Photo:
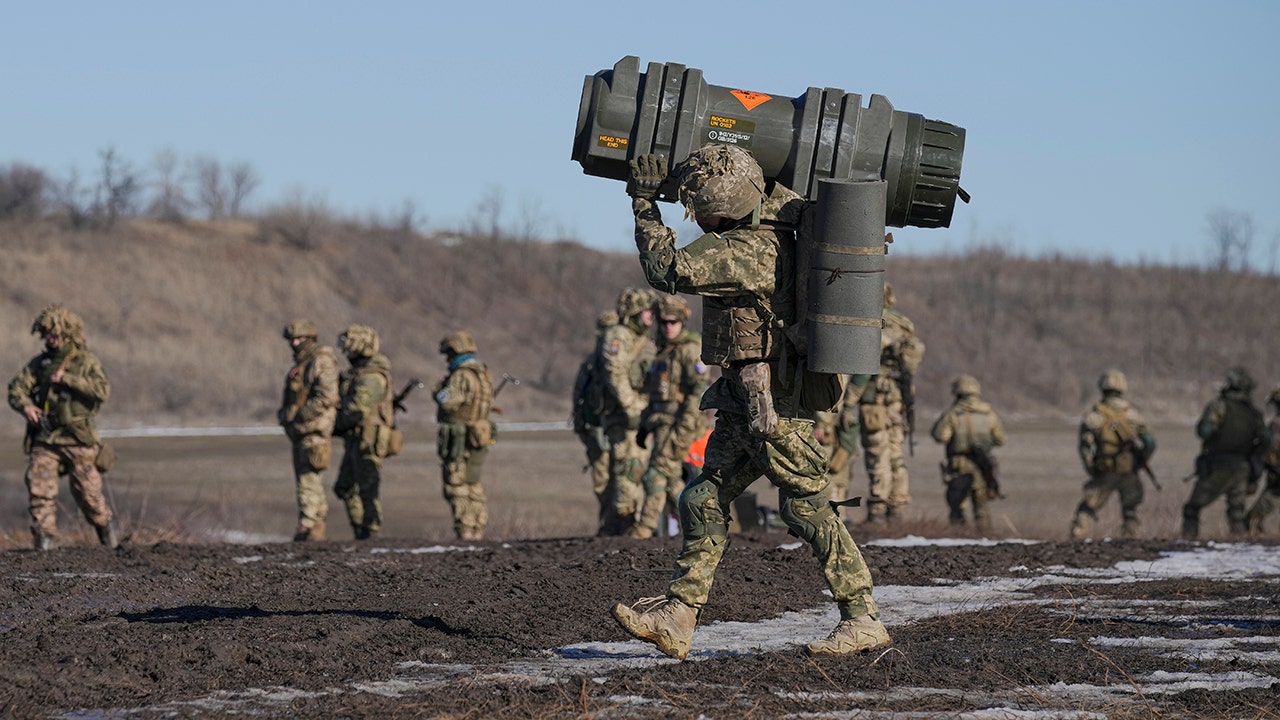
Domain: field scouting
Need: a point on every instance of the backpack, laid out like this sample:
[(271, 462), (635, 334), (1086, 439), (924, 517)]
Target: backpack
[(588, 392)]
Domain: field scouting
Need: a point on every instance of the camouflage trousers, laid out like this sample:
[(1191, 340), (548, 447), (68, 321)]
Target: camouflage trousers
[(45, 466), (311, 455), (1097, 490), (794, 462), (624, 493), (888, 490), (664, 479), (359, 481), (1228, 476), (598, 465), (465, 494), (1267, 502)]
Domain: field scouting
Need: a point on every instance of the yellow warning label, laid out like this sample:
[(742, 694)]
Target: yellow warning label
[(613, 142)]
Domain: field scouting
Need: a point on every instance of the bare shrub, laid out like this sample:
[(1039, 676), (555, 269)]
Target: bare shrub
[(22, 192)]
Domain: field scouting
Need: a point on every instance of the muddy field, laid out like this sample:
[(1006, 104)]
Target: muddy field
[(182, 623)]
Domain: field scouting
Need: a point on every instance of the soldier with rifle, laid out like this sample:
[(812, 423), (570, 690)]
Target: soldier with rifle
[(887, 414), (366, 422), (969, 429), (308, 409), (464, 398), (1114, 443), (1233, 441)]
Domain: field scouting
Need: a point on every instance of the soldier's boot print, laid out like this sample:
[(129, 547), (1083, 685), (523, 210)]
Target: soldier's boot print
[(107, 536), (667, 623), (851, 637)]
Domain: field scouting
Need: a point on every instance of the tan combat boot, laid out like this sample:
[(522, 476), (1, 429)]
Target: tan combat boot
[(640, 531), (851, 637), (668, 624)]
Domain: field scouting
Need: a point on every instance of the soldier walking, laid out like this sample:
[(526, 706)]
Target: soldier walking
[(887, 411), (464, 398), (672, 421), (625, 354), (588, 403), (740, 267), (1232, 440), (1114, 443), (969, 429), (307, 412), (366, 419), (59, 392)]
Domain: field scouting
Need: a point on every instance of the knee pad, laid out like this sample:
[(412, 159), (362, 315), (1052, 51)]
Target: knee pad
[(805, 515), (701, 513)]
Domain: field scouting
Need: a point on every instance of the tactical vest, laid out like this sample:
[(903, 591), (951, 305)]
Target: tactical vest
[(297, 388), (384, 413), (1114, 440), (666, 380), (1239, 431), (972, 429), (476, 407)]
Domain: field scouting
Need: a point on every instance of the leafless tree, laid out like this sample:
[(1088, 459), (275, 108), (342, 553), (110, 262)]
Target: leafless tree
[(241, 181), (170, 201), (72, 199), (116, 193), (22, 191), (1231, 239), (211, 187)]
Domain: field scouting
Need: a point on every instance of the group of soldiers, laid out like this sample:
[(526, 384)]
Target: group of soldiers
[(360, 407)]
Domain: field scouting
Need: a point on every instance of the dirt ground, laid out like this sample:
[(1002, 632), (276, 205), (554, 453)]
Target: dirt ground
[(518, 626)]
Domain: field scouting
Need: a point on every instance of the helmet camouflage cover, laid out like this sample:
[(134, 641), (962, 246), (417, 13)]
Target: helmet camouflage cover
[(720, 181), (58, 321), (671, 306), (457, 343), (1239, 379), (300, 328), (1113, 381), (359, 341), (965, 385), (633, 300)]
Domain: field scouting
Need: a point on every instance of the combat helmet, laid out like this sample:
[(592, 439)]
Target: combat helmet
[(359, 341), (1239, 379), (720, 181), (300, 329), (1274, 397), (1113, 381), (605, 320), (60, 322), (632, 301), (671, 306), (965, 386), (457, 343)]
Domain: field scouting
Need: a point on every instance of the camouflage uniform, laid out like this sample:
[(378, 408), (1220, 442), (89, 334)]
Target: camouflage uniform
[(1233, 437), (588, 401), (672, 421), (1269, 499), (59, 391), (1114, 443), (838, 432), (307, 412), (969, 429), (625, 354), (883, 413), (744, 271), (465, 399), (366, 418)]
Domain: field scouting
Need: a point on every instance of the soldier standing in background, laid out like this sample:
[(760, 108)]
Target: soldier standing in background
[(59, 392), (969, 429), (464, 398), (887, 413), (625, 354), (672, 421), (743, 267), (1114, 444), (366, 417), (307, 412), (588, 403), (1232, 437), (1269, 499)]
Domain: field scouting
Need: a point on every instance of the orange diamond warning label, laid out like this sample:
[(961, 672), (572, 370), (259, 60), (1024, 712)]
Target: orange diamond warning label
[(750, 99)]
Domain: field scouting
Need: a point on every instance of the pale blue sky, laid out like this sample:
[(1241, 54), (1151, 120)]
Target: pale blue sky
[(1102, 129)]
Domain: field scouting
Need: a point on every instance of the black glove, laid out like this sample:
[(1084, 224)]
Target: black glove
[(648, 172)]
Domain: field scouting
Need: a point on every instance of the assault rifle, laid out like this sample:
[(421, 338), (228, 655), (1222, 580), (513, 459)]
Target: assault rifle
[(907, 386), (398, 401), (987, 466), (505, 379), (1141, 466)]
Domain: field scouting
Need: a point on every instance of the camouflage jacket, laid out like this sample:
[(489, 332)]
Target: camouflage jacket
[(900, 349), (625, 356), (1109, 435), (677, 378), (969, 423), (70, 404), (737, 271), (465, 395), (366, 397), (310, 402)]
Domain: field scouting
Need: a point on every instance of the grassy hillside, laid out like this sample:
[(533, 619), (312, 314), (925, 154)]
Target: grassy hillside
[(187, 317)]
